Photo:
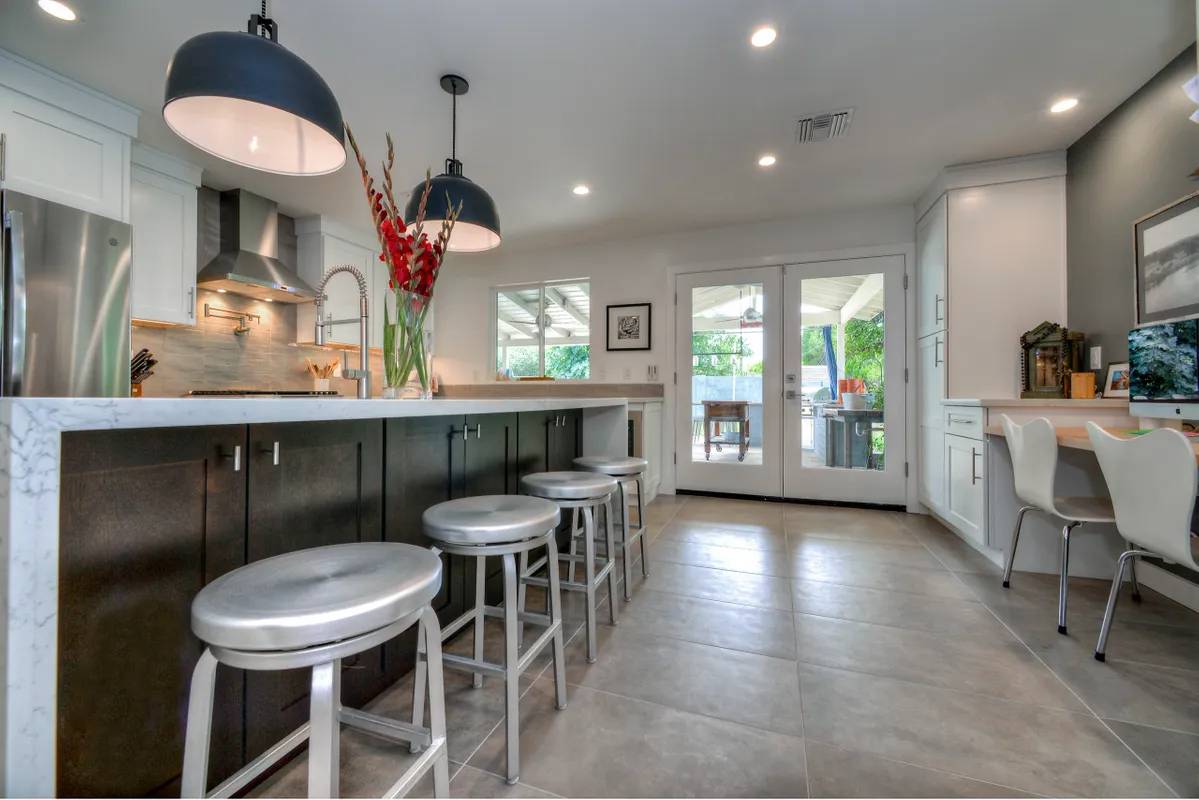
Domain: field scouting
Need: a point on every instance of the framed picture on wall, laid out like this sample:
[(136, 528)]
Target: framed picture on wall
[(630, 326), (1167, 262)]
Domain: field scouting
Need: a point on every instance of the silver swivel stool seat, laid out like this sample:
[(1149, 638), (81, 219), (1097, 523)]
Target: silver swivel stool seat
[(624, 469), (310, 609), (585, 493), (498, 525)]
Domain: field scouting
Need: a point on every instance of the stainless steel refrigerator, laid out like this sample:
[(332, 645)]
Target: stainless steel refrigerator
[(65, 301)]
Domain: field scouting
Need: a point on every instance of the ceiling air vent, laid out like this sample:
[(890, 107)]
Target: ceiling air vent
[(822, 127)]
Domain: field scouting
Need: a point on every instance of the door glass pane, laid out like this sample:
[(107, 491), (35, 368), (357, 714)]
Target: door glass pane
[(726, 373), (841, 388), (568, 321), (518, 332)]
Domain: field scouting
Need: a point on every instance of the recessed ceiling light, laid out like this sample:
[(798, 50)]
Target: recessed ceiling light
[(767, 160), (763, 37), (268, 300), (221, 291), (58, 10), (582, 189), (1065, 104)]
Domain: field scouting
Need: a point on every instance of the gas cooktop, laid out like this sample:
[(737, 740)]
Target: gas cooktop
[(261, 393)]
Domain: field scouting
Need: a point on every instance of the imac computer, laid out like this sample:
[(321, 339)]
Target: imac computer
[(1164, 370)]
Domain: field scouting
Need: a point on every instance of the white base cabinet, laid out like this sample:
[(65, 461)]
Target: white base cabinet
[(164, 217), (64, 142), (966, 487)]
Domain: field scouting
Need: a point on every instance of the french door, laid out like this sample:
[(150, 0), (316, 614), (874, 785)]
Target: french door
[(844, 406), (791, 381), (727, 434)]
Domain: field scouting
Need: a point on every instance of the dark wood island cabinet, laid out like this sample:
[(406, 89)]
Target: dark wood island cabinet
[(149, 516)]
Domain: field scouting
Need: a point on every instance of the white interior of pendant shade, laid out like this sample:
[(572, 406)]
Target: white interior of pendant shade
[(255, 135), (466, 238)]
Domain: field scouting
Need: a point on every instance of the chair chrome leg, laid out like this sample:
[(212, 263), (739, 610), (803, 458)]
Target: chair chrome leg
[(520, 595), (1011, 552), (480, 618), (641, 527), (324, 733), (554, 602), (431, 630), (589, 577), (1132, 577), (419, 677), (1063, 586), (610, 543), (1128, 557), (511, 670), (625, 555), (199, 726), (574, 543)]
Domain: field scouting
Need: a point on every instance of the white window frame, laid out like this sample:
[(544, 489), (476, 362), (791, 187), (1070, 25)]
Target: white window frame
[(541, 286)]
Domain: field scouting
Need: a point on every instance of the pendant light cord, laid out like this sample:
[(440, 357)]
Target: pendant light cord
[(453, 125)]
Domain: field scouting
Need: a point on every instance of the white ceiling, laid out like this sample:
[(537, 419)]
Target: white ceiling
[(660, 105)]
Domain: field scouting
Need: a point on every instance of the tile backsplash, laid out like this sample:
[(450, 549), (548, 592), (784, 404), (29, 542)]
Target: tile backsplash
[(211, 356)]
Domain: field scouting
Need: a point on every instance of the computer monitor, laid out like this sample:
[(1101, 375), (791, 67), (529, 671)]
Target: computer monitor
[(1164, 370)]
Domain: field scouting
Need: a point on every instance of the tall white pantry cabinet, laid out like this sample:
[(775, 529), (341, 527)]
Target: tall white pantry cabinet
[(990, 265)]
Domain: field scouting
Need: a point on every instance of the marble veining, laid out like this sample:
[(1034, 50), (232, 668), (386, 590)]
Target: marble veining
[(30, 444)]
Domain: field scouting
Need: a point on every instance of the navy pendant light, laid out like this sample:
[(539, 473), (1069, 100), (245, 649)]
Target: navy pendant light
[(478, 226), (247, 99)]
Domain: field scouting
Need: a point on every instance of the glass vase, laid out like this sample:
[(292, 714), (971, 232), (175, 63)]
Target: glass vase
[(406, 349)]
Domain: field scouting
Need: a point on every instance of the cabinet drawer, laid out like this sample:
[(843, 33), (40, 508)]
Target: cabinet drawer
[(964, 421)]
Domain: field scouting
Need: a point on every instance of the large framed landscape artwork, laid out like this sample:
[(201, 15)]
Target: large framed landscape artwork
[(1167, 262)]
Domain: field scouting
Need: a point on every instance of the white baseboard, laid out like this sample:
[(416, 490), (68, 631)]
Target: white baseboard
[(1172, 586)]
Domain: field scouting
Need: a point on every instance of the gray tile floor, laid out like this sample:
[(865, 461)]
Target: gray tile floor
[(787, 650)]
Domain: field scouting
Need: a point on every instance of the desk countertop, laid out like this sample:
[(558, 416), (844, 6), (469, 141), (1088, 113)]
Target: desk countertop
[(1077, 438)]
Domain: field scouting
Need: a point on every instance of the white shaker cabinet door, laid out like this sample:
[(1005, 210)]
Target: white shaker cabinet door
[(932, 468), (966, 486), (163, 213), (932, 248), (930, 378), (62, 157)]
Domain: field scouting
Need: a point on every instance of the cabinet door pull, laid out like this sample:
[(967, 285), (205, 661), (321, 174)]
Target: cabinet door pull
[(235, 455), (191, 302), (479, 431), (274, 451), (937, 308), (974, 476), (3, 152), (937, 360)]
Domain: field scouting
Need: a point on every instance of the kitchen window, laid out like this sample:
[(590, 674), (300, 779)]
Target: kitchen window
[(543, 330)]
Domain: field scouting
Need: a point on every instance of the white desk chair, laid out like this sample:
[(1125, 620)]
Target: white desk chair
[(1033, 447), (1152, 480)]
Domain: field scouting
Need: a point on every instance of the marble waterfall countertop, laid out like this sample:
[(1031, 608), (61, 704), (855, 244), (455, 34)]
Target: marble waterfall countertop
[(30, 443)]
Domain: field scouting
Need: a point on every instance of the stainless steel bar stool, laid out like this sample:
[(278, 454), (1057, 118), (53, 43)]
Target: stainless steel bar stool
[(312, 608), (587, 493), (498, 525), (624, 469)]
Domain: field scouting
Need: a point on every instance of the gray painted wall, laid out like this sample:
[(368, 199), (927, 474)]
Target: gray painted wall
[(1136, 160)]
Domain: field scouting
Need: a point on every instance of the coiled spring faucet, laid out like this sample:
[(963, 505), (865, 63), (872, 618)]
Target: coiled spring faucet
[(363, 373)]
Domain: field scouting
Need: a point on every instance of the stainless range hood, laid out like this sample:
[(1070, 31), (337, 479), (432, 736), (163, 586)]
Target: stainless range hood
[(248, 263)]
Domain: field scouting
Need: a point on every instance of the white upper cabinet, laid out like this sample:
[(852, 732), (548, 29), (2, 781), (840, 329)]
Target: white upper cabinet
[(931, 249), (164, 217), (324, 244), (64, 142)]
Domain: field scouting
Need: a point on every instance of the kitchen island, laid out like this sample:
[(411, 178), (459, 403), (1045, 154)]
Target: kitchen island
[(114, 512)]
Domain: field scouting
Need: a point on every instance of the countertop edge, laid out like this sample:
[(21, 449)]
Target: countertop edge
[(1017, 402)]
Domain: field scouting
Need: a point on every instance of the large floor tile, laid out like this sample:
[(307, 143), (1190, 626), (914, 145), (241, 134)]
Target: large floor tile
[(873, 575), (1173, 756), (1002, 667), (606, 745), (845, 523), (838, 772), (737, 559), (737, 627), (744, 588), (747, 536), (729, 684), (804, 547), (962, 618), (1039, 750)]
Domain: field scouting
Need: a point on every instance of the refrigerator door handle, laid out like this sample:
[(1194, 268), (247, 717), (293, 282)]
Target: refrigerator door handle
[(15, 222)]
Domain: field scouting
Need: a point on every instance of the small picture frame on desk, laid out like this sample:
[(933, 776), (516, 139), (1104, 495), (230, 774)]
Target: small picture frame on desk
[(630, 326), (1116, 384)]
